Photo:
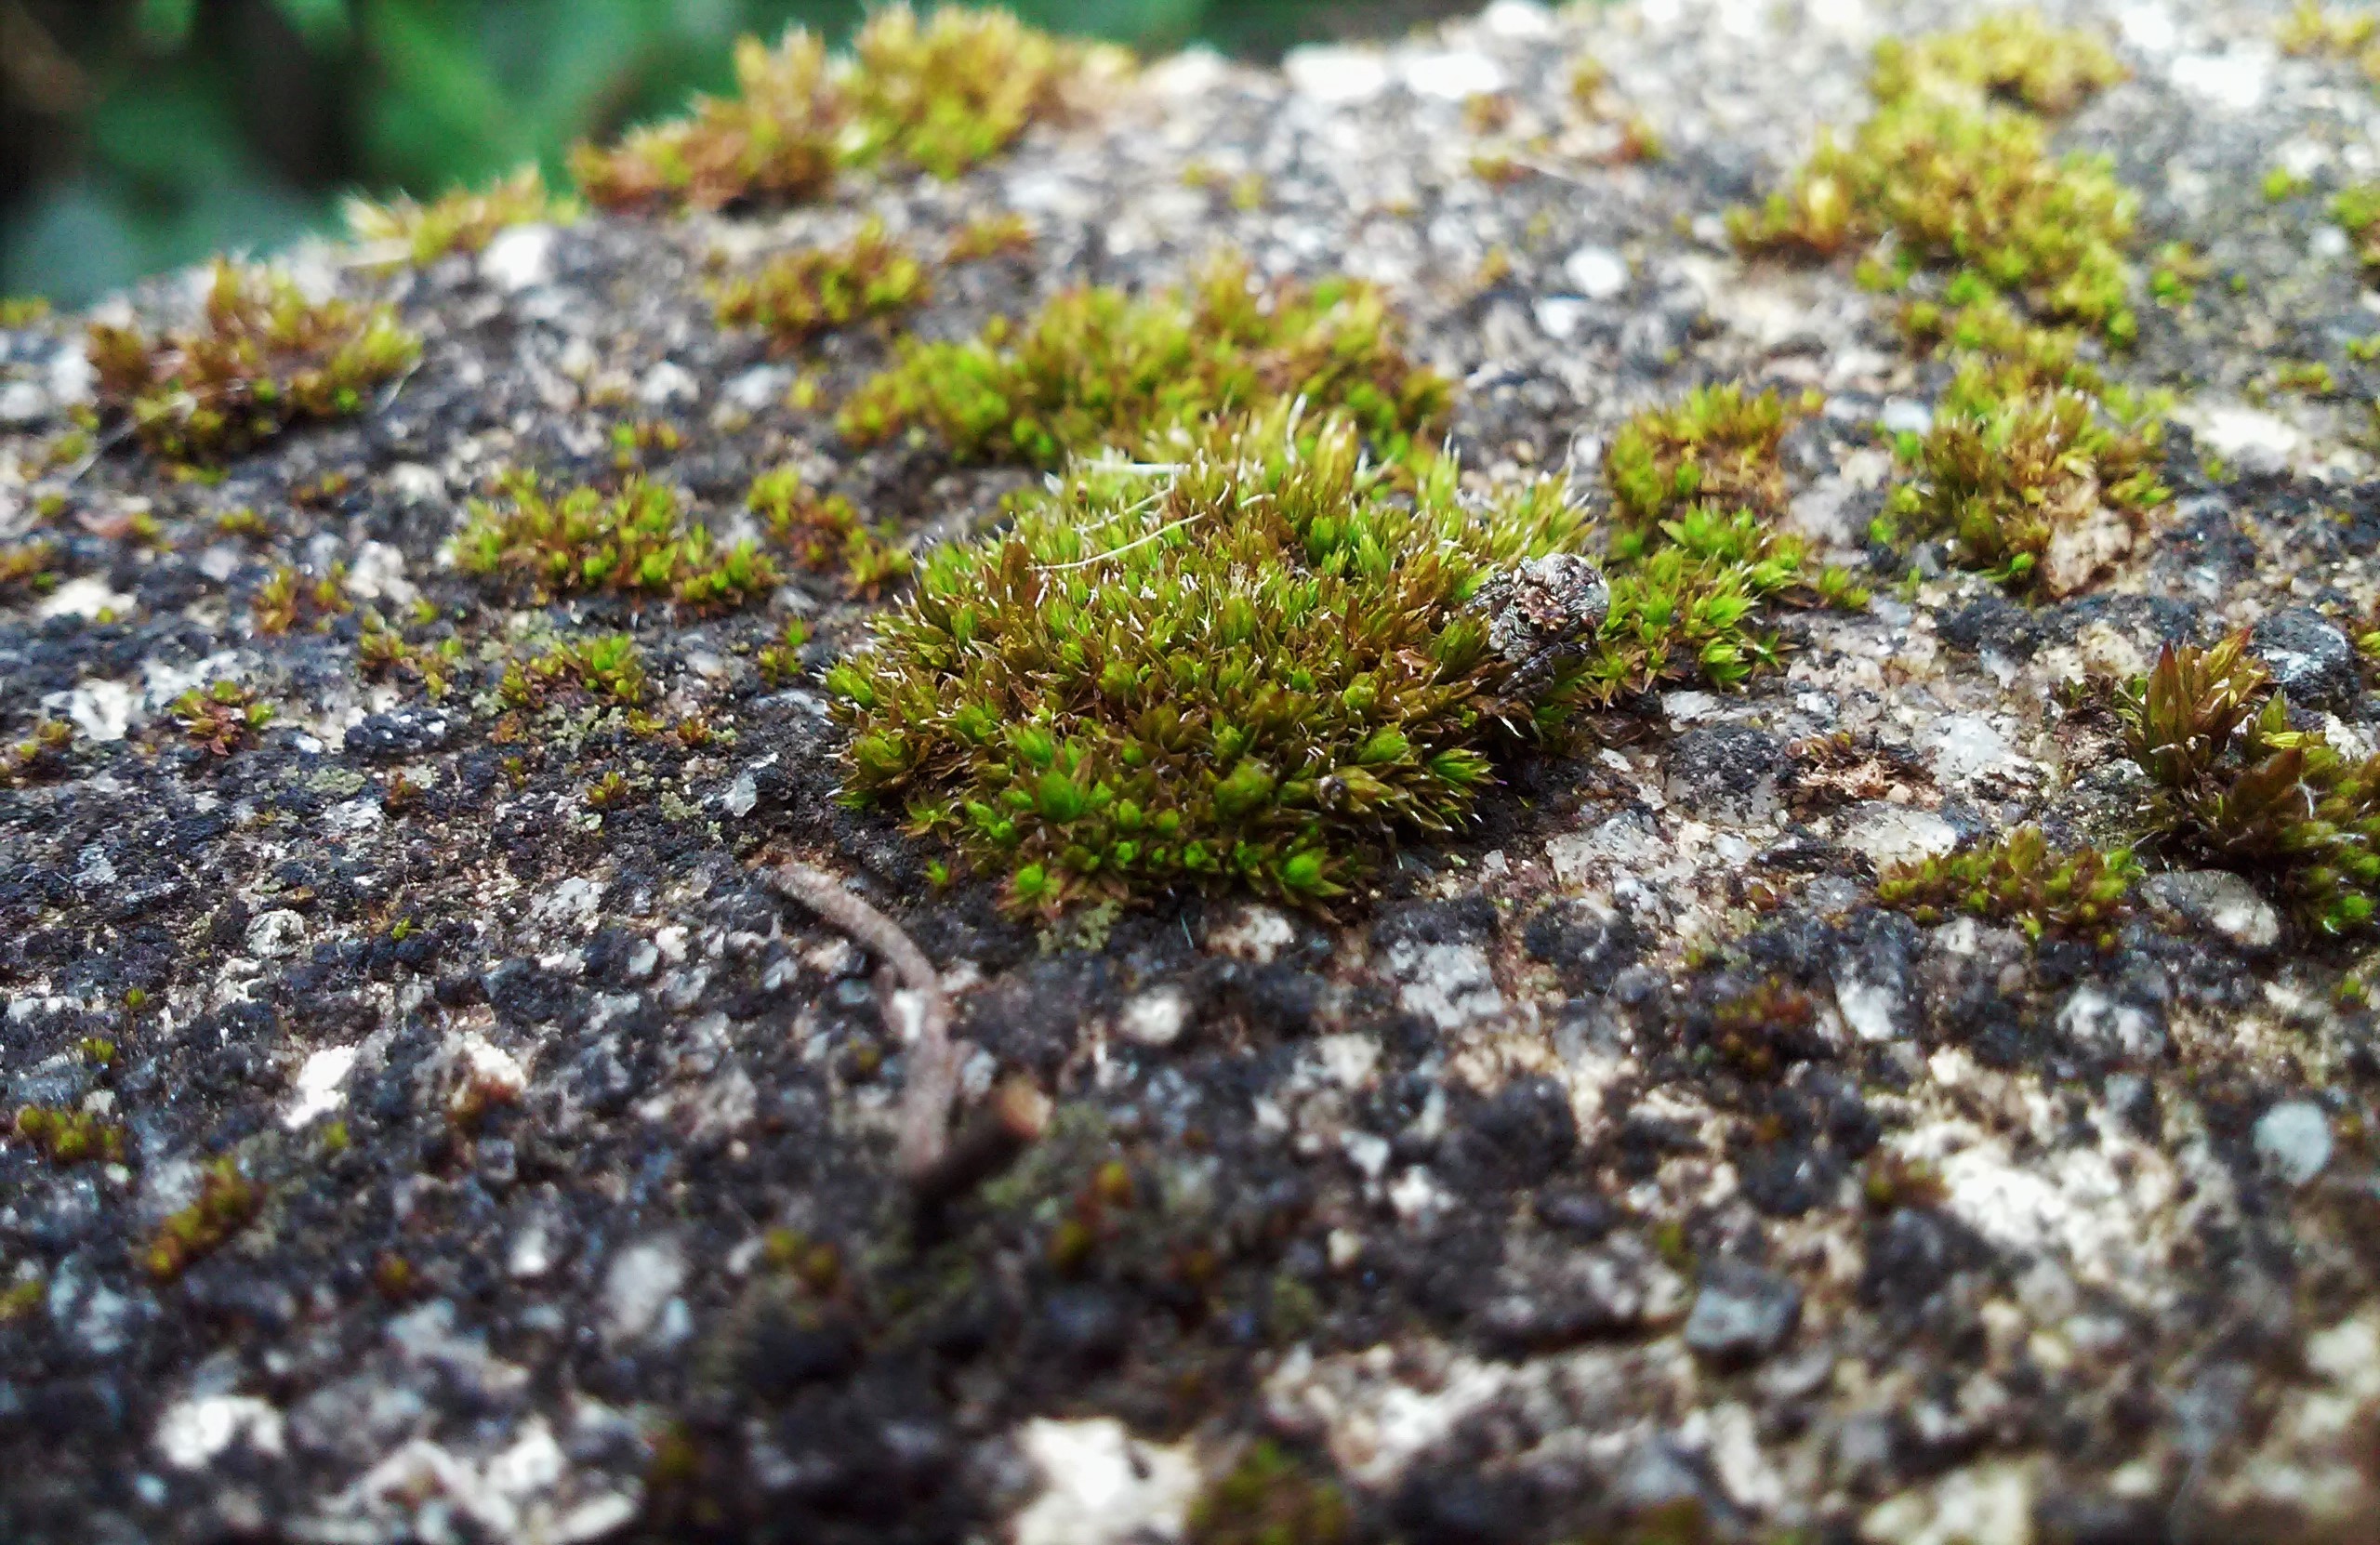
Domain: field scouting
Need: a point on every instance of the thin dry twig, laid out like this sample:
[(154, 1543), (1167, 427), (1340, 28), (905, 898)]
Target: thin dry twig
[(933, 1061)]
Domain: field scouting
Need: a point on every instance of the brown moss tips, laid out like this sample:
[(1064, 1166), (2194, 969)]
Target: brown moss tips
[(775, 138), (264, 359), (28, 568), (797, 295), (635, 542), (222, 719), (2233, 783), (1097, 367), (403, 231), (1249, 666), (227, 1200), (826, 533), (1962, 182)]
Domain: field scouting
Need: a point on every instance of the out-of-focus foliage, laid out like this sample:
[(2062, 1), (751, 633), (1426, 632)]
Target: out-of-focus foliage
[(138, 135)]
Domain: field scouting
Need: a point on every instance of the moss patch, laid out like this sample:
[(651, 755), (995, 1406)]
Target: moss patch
[(403, 231), (1098, 367), (2079, 895), (1257, 668), (635, 542), (798, 294), (264, 359)]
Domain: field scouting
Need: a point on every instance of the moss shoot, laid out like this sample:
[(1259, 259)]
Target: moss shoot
[(226, 1201), (798, 294), (1256, 668), (2017, 879), (1097, 367), (2235, 785), (635, 542), (264, 359), (403, 231)]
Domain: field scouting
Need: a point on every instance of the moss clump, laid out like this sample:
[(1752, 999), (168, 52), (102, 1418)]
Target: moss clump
[(2236, 787), (605, 665), (939, 95), (68, 1137), (24, 311), (1096, 367), (2312, 29), (226, 1201), (28, 568), (635, 542), (285, 595), (826, 534), (2357, 210), (404, 232), (22, 1297), (2041, 489), (1955, 180), (989, 236), (2012, 54), (1269, 1499), (775, 138), (798, 295), (2079, 895), (39, 755), (222, 719), (1256, 669), (956, 89), (1717, 446), (1969, 323), (265, 358)]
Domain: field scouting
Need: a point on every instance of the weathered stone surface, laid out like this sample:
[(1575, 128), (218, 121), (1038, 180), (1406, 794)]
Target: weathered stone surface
[(576, 1210)]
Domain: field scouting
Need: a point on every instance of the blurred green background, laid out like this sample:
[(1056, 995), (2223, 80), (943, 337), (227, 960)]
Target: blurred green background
[(139, 134)]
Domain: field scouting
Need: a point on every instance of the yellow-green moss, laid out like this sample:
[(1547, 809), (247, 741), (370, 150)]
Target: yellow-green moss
[(2017, 879), (28, 568), (826, 534), (1717, 446), (798, 294), (2012, 54), (1096, 367), (775, 139), (40, 755), (1001, 235), (637, 541), (226, 1202), (956, 89), (69, 1137), (605, 665), (222, 718), (24, 311), (403, 231), (265, 358)]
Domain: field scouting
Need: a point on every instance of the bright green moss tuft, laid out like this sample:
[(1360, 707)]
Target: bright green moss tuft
[(635, 542), (798, 294), (1096, 367), (2357, 210), (825, 534), (1254, 669), (222, 718), (2040, 488), (24, 311), (1959, 181), (40, 755), (775, 139), (1716, 446), (1269, 1499), (2233, 785), (404, 232), (2079, 895), (605, 665), (265, 358)]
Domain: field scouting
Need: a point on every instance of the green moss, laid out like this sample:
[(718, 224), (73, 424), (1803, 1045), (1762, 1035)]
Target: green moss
[(939, 95), (635, 542), (2004, 477), (28, 568), (798, 294), (39, 756), (2012, 54), (1268, 1497), (22, 1297), (825, 534), (956, 89), (222, 718), (1958, 181), (1970, 322), (2179, 271), (1256, 669), (780, 663), (604, 665), (24, 311), (286, 596), (775, 139), (403, 231), (265, 358), (1096, 367), (2357, 210), (1001, 235), (69, 1137), (1716, 446), (2234, 785), (226, 1202), (2079, 895)]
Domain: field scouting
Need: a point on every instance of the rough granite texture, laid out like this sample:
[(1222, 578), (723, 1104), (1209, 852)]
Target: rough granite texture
[(1453, 1195)]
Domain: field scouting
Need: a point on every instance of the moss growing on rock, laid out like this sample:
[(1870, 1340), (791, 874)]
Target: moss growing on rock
[(1716, 446), (2017, 879), (2235, 785), (1957, 181), (2042, 488), (956, 89), (69, 1137), (403, 233), (264, 359), (1097, 367), (797, 295), (775, 139), (222, 719), (1255, 669), (826, 534), (2357, 210), (637, 541), (28, 568), (226, 1202), (1269, 1499)]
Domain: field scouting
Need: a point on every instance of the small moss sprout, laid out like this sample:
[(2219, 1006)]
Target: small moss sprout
[(799, 294), (2019, 879)]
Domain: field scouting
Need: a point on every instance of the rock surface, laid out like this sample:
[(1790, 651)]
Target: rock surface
[(576, 1213)]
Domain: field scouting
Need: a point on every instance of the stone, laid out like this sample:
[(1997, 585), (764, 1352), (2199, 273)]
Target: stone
[(2309, 659), (1741, 1314), (2220, 901), (2293, 1139)]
